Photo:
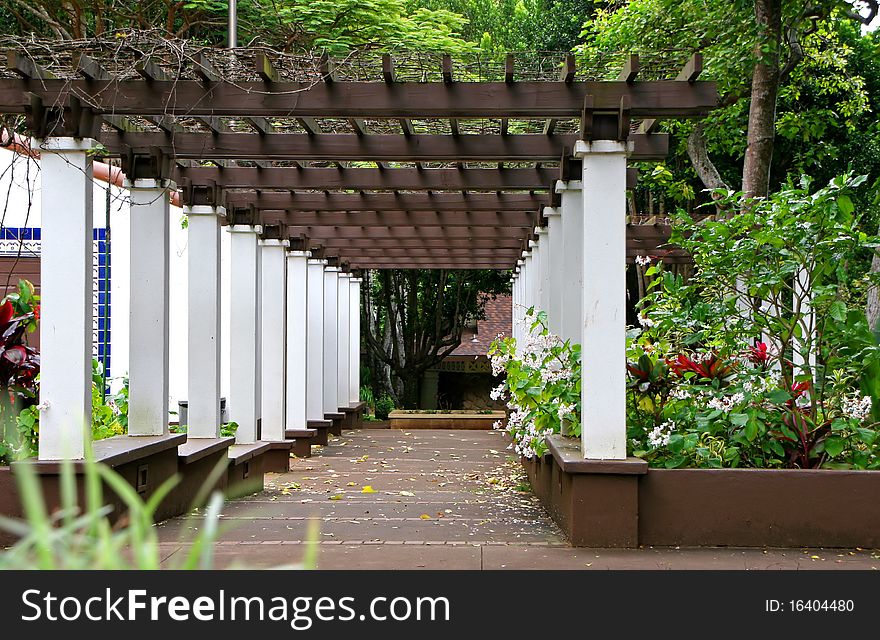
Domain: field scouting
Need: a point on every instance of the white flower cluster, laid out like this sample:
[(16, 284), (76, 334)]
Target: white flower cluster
[(659, 436), (526, 435), (727, 403), (645, 321), (643, 261), (537, 347), (498, 392), (499, 363), (856, 408), (565, 410)]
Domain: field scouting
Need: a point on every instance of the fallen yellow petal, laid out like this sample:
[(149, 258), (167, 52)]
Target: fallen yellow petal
[(425, 516), (368, 489)]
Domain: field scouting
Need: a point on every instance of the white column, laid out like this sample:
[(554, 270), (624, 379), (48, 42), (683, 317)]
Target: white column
[(544, 270), (297, 338), (315, 345), (514, 302), (331, 297), (537, 256), (243, 401), (66, 296), (603, 346), (354, 341), (555, 274), (572, 259), (343, 351), (803, 355), (273, 291), (203, 335), (148, 321)]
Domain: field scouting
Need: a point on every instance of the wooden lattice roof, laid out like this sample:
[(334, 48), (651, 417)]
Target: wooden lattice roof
[(406, 160)]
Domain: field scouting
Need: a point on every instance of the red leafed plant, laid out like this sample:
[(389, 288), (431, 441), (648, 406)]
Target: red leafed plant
[(710, 367), (759, 355), (19, 362)]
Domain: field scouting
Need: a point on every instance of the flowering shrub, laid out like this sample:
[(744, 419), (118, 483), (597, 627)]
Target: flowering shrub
[(764, 357), (542, 385)]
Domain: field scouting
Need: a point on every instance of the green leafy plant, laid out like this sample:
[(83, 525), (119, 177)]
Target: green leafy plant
[(83, 536), (761, 359), (384, 406), (542, 385)]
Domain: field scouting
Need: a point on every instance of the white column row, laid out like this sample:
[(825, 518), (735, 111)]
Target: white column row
[(289, 315)]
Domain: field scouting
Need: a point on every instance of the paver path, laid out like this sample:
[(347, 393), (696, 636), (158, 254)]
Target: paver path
[(382, 498)]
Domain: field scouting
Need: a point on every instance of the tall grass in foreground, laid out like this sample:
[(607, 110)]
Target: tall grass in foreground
[(82, 537)]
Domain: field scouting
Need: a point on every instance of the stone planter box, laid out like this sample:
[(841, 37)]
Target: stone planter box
[(445, 419), (626, 504)]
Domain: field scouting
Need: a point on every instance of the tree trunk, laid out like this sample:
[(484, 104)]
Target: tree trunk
[(699, 155), (762, 109), (872, 309), (411, 386)]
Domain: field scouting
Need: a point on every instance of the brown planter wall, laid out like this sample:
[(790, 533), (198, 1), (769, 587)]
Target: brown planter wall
[(597, 504), (757, 507), (445, 421), (9, 504)]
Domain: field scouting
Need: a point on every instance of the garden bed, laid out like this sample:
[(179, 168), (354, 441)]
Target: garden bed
[(430, 419), (626, 504)]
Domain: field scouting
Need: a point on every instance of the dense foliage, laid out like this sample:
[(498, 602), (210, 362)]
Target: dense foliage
[(541, 384), (761, 358)]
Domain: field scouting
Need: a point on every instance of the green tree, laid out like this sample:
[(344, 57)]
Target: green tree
[(412, 319), (518, 25), (767, 55)]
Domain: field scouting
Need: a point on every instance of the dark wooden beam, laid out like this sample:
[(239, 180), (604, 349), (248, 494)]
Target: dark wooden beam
[(446, 69), (630, 69), (370, 179), (497, 265), (89, 68), (150, 71), (386, 147), (525, 220), (442, 252), (367, 99), (569, 69), (26, 68), (203, 68), (452, 234), (689, 73), (335, 243), (388, 69), (385, 201), (265, 69)]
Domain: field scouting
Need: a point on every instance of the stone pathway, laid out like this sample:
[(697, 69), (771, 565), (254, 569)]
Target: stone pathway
[(389, 499)]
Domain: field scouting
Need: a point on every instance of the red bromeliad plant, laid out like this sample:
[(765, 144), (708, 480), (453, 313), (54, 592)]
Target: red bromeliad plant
[(19, 363), (711, 367)]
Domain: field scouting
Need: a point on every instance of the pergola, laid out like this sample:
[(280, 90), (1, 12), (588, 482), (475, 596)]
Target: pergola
[(318, 170)]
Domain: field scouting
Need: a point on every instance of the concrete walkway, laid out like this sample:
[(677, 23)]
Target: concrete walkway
[(388, 499)]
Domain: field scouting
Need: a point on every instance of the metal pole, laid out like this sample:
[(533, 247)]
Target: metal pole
[(233, 24)]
